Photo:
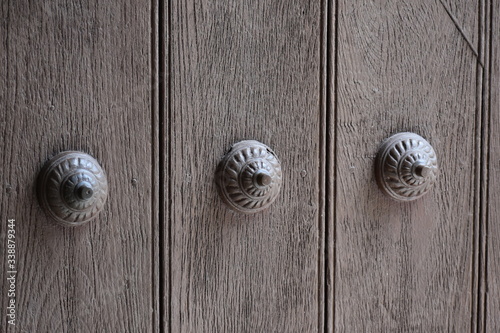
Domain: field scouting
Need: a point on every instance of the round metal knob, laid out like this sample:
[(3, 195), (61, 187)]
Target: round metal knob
[(406, 166), (249, 177), (72, 188)]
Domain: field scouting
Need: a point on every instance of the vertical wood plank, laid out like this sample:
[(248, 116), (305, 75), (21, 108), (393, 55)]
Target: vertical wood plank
[(77, 76), (245, 70), (493, 207), (404, 66)]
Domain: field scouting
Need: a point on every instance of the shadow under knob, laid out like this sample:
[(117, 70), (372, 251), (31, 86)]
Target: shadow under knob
[(249, 177), (406, 166), (72, 188)]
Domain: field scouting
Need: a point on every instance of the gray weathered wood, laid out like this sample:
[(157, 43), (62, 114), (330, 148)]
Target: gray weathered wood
[(329, 153), (77, 75), (493, 221), (245, 70), (404, 66), (480, 264), (83, 76), (466, 16)]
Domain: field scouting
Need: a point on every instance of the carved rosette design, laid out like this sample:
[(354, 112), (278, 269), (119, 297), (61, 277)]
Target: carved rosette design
[(406, 167), (72, 188), (249, 177)]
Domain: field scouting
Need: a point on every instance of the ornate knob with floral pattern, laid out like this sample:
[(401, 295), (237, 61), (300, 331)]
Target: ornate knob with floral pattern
[(406, 166), (72, 188), (249, 177)]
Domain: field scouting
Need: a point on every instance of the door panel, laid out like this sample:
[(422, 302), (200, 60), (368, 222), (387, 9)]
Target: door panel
[(245, 70), (404, 66), (158, 92), (77, 76)]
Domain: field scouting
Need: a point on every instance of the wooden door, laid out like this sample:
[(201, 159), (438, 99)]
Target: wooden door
[(158, 91)]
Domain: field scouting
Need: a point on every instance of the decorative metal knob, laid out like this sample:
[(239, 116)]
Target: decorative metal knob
[(249, 177), (72, 188), (406, 166)]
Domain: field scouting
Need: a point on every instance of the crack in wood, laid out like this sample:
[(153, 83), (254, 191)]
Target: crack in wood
[(462, 32)]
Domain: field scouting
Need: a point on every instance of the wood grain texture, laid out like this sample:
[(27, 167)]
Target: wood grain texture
[(403, 267), (466, 17), (76, 75), (245, 70), (329, 152), (493, 225)]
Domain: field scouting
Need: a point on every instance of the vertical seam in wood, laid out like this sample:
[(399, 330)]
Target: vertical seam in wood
[(474, 310), (486, 49), (331, 159), (490, 67), (335, 140), (164, 159), (155, 157), (168, 83), (486, 157), (323, 219), (480, 246), (324, 178)]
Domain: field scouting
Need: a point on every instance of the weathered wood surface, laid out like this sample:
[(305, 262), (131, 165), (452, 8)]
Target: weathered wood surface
[(81, 76), (245, 70), (493, 221), (404, 66), (77, 76), (466, 17)]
